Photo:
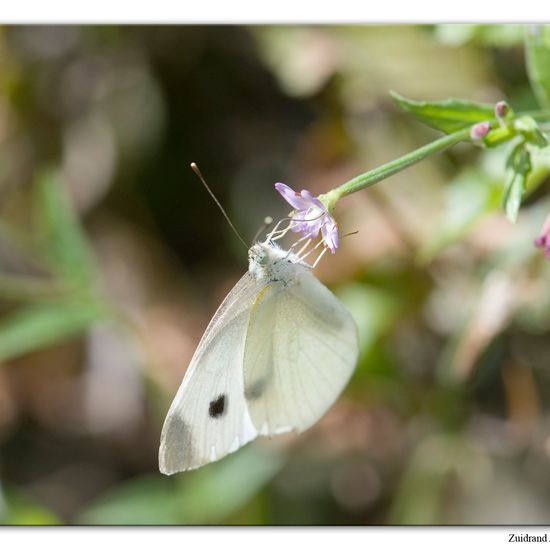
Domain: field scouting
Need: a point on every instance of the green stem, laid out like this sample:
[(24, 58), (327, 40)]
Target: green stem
[(382, 172), (386, 170)]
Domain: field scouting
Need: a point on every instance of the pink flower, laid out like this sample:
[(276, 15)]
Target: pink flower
[(310, 216), (543, 240)]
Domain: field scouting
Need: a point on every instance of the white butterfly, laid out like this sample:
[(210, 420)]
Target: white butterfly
[(276, 355)]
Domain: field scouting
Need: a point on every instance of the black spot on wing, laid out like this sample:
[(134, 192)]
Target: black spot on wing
[(217, 406)]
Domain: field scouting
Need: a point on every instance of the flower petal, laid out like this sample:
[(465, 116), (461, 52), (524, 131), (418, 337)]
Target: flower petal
[(311, 217), (312, 200), (306, 229), (329, 230), (294, 199)]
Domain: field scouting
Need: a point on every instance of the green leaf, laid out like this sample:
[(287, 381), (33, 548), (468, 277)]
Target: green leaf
[(513, 196), (519, 164), (449, 115), (33, 327), (60, 235), (527, 126), (537, 49)]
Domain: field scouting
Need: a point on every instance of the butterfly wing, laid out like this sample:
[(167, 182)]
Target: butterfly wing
[(301, 350), (209, 418)]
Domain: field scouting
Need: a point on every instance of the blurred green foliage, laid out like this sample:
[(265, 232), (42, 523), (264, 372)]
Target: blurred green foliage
[(210, 495), (538, 60), (113, 259), (61, 245)]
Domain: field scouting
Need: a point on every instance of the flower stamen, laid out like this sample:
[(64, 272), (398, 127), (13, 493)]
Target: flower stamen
[(319, 257), (310, 216), (279, 232), (304, 248), (320, 243)]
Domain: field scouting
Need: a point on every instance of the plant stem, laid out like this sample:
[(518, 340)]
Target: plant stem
[(382, 172), (386, 170)]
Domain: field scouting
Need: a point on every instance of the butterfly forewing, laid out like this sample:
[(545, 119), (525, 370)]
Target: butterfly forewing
[(208, 417)]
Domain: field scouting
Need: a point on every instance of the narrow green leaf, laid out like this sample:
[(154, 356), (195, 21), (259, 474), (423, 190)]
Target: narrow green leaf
[(513, 196), (60, 235), (449, 115), (36, 326), (519, 165), (537, 49), (527, 126)]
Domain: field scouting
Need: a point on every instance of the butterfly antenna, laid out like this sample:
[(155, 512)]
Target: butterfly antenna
[(195, 169)]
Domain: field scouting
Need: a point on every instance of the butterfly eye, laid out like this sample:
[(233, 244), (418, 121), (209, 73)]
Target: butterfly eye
[(255, 255), (260, 257)]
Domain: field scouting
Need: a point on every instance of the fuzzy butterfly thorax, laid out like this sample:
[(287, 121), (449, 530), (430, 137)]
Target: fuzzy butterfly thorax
[(269, 262)]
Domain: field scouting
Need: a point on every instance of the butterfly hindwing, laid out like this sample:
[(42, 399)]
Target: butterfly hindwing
[(301, 349)]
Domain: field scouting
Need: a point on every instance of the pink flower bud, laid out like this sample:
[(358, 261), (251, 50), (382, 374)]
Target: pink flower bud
[(480, 130), (543, 240), (501, 109)]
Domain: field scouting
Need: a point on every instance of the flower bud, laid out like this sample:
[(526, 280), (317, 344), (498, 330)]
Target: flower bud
[(502, 109), (543, 240), (480, 130)]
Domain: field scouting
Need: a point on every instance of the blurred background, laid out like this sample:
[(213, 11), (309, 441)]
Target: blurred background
[(113, 258)]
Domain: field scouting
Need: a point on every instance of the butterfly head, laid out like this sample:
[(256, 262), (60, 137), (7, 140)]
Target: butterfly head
[(269, 261)]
